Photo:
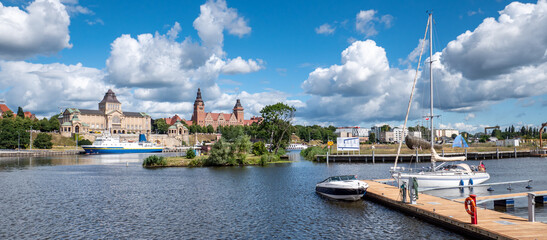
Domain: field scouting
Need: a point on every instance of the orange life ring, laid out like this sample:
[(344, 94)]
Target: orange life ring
[(470, 206)]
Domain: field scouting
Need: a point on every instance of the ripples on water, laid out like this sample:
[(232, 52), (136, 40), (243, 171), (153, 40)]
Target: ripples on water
[(101, 197)]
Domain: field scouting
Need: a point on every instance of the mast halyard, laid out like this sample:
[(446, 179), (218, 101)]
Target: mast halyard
[(431, 87)]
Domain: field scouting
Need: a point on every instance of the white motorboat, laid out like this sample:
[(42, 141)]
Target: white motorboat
[(436, 176), (345, 187), (296, 146)]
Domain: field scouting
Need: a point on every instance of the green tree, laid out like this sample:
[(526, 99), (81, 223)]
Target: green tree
[(84, 142), (54, 124), (372, 137), (221, 154), (161, 125), (385, 128), (259, 148), (43, 141), (7, 114), (277, 120), (210, 129), (190, 153), (20, 112), (454, 136)]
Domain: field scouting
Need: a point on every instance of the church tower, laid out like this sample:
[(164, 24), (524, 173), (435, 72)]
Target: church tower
[(199, 110), (238, 111)]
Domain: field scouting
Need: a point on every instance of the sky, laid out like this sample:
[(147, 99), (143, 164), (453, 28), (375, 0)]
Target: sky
[(341, 63)]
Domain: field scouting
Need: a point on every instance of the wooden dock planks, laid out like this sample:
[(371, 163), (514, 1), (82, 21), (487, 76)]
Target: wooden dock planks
[(503, 196), (452, 214)]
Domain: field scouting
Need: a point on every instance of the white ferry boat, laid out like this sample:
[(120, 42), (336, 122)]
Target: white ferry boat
[(107, 144)]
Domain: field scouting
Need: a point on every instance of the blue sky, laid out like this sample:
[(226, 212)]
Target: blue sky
[(346, 63)]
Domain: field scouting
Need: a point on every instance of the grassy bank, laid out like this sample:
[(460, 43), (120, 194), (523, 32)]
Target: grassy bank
[(200, 161)]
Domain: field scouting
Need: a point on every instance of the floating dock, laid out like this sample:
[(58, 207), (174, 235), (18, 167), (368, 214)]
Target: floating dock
[(452, 215), (383, 158)]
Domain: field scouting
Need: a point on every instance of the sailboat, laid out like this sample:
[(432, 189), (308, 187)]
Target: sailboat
[(443, 175)]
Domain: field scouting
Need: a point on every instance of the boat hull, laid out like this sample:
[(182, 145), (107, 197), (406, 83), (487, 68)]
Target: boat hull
[(340, 192), (118, 150), (428, 180)]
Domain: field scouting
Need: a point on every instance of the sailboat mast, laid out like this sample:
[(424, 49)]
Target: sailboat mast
[(431, 84)]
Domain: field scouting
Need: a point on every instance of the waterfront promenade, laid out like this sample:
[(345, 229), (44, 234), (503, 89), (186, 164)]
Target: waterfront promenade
[(38, 153)]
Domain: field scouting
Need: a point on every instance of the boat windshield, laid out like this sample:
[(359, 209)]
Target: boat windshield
[(340, 178)]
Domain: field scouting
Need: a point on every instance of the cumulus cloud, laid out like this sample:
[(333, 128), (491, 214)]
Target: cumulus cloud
[(216, 17), (40, 29), (462, 127), (42, 88), (325, 29), (516, 40), (366, 20), (364, 84)]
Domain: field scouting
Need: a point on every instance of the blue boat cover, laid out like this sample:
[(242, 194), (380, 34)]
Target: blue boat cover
[(142, 138), (459, 142)]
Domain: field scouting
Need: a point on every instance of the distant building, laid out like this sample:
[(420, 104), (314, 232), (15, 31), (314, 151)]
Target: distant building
[(4, 108), (172, 120), (236, 118), (387, 137), (30, 115), (439, 133), (109, 118)]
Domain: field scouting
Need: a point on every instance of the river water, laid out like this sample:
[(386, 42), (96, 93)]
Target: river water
[(112, 196)]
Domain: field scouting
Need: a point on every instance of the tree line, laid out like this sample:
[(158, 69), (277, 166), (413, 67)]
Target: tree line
[(15, 130)]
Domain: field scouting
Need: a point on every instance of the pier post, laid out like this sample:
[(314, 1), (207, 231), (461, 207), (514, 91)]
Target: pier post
[(515, 152), (417, 156), (497, 153), (466, 153), (531, 207), (373, 156), (443, 152)]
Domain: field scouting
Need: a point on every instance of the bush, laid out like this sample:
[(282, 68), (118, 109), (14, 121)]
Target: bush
[(84, 142), (196, 162), (267, 158), (190, 153), (259, 149), (311, 152), (43, 140), (221, 154), (154, 160)]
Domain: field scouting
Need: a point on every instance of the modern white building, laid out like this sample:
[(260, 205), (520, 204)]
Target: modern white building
[(446, 132)]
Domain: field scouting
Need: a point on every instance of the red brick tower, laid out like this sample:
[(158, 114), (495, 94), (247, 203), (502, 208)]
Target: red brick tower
[(199, 110), (238, 111)]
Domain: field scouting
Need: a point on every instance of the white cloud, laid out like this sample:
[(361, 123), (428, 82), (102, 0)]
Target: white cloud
[(42, 88), (42, 29), (365, 85), (216, 17), (239, 66), (469, 116), (516, 40), (462, 127), (365, 22), (325, 29), (167, 67)]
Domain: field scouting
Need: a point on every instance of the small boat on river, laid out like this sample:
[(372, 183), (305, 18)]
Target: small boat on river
[(345, 187), (108, 144), (296, 146)]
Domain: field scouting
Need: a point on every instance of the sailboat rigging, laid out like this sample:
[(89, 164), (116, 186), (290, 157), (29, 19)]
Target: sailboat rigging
[(436, 176)]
